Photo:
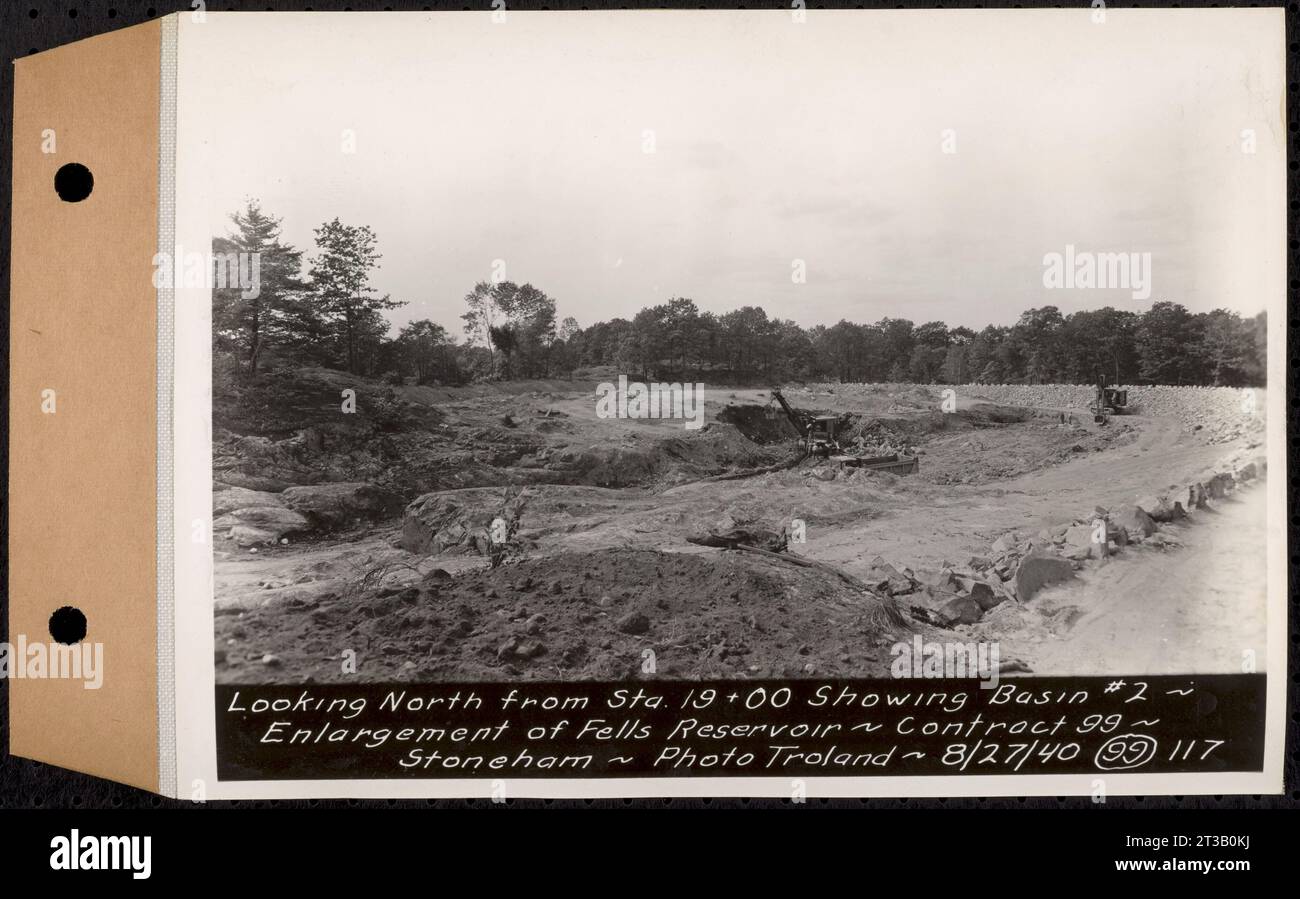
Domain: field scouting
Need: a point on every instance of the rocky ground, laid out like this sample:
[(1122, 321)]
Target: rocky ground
[(369, 537), (613, 614)]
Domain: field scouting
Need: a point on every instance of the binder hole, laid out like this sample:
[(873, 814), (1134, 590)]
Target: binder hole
[(73, 182), (68, 625)]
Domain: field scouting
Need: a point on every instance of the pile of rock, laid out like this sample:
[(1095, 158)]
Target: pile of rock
[(1017, 568), (1217, 414), (955, 594), (460, 521)]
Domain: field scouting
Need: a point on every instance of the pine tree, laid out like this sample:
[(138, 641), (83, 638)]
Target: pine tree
[(247, 323), (340, 274)]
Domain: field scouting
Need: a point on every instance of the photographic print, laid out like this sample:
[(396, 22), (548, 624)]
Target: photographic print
[(750, 395)]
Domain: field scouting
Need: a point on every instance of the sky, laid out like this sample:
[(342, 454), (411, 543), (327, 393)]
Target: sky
[(915, 164)]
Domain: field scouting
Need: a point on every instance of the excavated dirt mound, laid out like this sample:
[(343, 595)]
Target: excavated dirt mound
[(604, 615), (761, 424)]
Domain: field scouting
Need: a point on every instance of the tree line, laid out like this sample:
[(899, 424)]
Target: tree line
[(323, 310)]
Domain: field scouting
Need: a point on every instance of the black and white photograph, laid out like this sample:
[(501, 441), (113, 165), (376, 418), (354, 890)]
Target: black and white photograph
[(653, 403), (874, 410), (739, 347)]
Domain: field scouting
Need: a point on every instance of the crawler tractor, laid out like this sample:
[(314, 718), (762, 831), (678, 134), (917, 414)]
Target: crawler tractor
[(1107, 401)]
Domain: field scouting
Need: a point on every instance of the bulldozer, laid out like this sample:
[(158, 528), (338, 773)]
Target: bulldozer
[(1107, 401), (821, 437)]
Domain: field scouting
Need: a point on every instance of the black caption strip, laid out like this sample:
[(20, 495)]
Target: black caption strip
[(1036, 725)]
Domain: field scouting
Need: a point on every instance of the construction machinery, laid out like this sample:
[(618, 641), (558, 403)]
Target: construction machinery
[(1107, 401), (894, 462), (820, 433), (821, 437)]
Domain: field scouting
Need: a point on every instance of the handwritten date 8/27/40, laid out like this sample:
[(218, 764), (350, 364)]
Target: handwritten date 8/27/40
[(1124, 752)]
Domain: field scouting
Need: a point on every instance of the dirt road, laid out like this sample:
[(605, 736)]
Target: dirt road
[(955, 522), (1196, 607)]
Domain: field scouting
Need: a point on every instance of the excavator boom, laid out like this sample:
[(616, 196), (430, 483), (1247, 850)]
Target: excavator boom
[(821, 435), (799, 422), (800, 425)]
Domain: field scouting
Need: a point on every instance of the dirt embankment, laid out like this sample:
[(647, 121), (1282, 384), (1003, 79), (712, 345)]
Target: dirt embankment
[(616, 614), (1220, 414)]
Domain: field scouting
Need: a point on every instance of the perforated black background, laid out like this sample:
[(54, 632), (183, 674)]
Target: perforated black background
[(31, 26)]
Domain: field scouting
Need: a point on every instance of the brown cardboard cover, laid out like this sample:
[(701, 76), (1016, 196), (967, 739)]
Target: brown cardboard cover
[(82, 481)]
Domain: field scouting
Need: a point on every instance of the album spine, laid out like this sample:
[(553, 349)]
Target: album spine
[(87, 381)]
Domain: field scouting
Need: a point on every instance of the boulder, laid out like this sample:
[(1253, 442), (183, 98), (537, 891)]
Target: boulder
[(1040, 569), (883, 569), (1118, 534), (899, 584), (985, 596), (1035, 543), (259, 483), (1218, 486), (888, 579), (454, 520), (1082, 541), (877, 582), (1005, 543), (1079, 535), (634, 623), (262, 524), (1161, 508), (329, 507), (226, 499), (245, 535), (946, 580), (1247, 472), (960, 610), (941, 608), (516, 650), (1134, 521)]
